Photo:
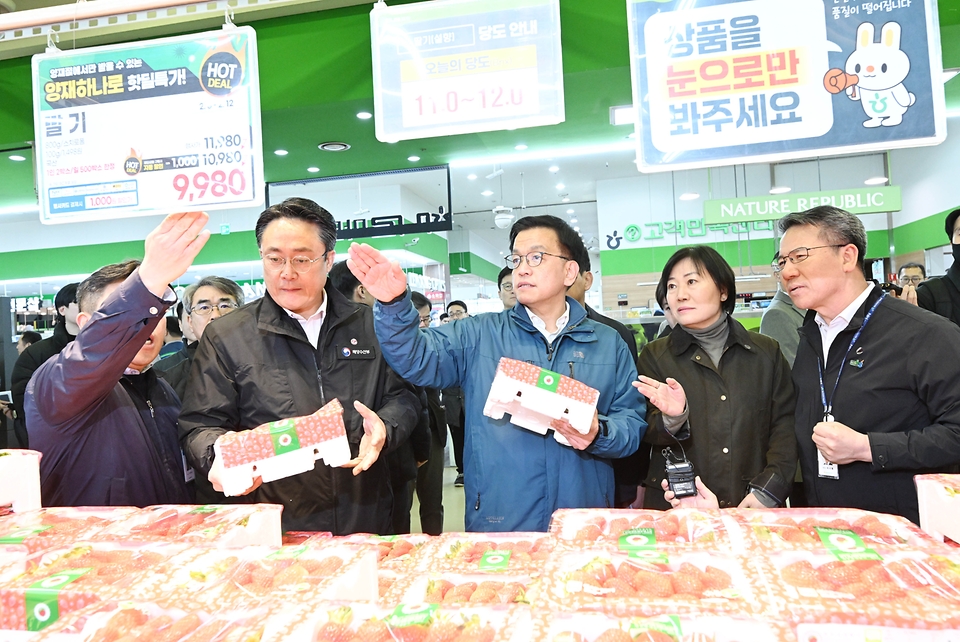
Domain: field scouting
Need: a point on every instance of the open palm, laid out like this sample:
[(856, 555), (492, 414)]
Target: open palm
[(381, 277)]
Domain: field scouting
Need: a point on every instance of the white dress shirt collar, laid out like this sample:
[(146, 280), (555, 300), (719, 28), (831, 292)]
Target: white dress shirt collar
[(312, 325), (541, 325), (830, 331)]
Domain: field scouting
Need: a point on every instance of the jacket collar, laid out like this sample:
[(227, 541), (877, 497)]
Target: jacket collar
[(577, 315), (953, 274), (811, 332), (273, 318), (61, 334), (681, 340)]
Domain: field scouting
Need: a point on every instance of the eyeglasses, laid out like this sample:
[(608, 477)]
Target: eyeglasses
[(798, 255), (533, 259), (457, 314), (299, 263), (507, 287), (425, 320), (910, 279), (205, 309)]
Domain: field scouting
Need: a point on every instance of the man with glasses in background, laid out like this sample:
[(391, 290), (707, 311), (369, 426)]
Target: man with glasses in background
[(505, 288), (876, 377), (299, 347), (516, 478)]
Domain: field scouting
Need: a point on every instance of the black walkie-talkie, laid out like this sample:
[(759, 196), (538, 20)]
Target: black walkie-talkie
[(680, 475)]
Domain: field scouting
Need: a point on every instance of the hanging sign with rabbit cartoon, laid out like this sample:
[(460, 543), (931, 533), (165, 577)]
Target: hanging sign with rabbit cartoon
[(723, 82)]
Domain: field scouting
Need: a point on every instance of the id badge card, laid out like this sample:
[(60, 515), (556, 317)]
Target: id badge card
[(826, 469)]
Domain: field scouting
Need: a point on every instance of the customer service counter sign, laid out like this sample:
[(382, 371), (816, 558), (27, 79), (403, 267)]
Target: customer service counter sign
[(720, 82), (462, 66), (149, 128)]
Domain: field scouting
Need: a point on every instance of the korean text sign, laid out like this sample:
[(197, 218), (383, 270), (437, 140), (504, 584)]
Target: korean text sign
[(720, 82), (461, 66), (149, 128)]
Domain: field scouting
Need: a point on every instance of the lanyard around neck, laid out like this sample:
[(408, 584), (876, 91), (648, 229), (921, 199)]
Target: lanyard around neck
[(828, 404)]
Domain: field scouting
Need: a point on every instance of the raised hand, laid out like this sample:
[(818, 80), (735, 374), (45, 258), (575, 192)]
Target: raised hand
[(382, 278), (669, 397), (372, 442), (170, 249)]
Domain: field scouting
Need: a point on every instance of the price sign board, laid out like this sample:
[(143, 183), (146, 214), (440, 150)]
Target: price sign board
[(463, 66), (720, 82), (149, 128)]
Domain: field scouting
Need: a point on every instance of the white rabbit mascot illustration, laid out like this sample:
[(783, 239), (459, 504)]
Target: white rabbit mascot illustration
[(879, 69)]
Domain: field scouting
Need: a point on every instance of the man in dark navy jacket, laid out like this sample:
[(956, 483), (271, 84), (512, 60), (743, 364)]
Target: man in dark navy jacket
[(105, 423)]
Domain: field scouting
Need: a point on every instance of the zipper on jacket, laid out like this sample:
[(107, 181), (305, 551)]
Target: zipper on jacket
[(150, 406), (477, 506), (549, 350), (570, 363)]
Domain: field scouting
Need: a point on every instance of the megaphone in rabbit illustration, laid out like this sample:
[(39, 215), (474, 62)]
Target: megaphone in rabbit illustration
[(874, 75)]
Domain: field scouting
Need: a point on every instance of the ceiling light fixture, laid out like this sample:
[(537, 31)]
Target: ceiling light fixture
[(573, 220), (553, 169), (413, 159), (521, 147), (547, 154), (281, 152), (576, 229), (364, 115), (17, 157), (565, 199), (313, 170), (570, 211), (783, 189), (471, 177), (876, 180), (560, 186), (486, 192), (334, 146), (689, 196), (496, 172)]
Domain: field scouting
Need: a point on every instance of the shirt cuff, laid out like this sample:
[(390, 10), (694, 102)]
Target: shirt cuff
[(674, 424)]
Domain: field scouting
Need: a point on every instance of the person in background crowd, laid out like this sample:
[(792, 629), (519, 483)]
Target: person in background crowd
[(782, 319), (406, 458), (430, 474), (877, 394), (912, 274), (445, 318), (288, 354), (453, 400), (105, 423), (33, 357), (505, 288), (942, 294), (718, 393), (27, 339), (173, 341), (515, 478), (628, 471), (189, 338)]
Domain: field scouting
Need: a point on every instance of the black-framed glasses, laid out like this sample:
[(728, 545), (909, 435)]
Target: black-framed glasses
[(533, 259), (299, 263), (798, 255), (911, 280), (205, 309)]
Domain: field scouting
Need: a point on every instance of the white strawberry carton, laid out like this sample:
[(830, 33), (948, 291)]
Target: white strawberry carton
[(534, 397), (454, 590), (494, 553), (939, 497), (224, 526), (20, 479), (44, 528), (282, 448)]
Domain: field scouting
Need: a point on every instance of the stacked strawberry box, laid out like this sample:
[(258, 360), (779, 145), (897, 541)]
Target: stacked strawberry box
[(535, 397), (396, 555), (461, 589), (939, 497), (44, 528), (59, 581), (225, 526), (489, 552), (19, 480), (282, 448)]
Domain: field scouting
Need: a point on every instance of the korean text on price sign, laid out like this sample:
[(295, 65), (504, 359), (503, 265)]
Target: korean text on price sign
[(149, 128), (461, 66)]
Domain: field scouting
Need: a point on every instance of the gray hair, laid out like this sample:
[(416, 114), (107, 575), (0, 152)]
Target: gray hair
[(225, 285), (834, 225)]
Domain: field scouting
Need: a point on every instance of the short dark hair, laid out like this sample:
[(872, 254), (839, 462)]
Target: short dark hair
[(420, 300), (661, 295), (444, 315), (343, 280), (66, 296), (302, 209), (92, 287), (173, 326), (951, 222), (505, 272), (570, 242), (221, 283), (709, 262), (460, 303), (834, 224), (30, 337), (905, 266), (180, 308)]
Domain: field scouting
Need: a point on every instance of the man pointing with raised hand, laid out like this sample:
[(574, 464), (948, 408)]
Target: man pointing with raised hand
[(105, 423), (514, 479)]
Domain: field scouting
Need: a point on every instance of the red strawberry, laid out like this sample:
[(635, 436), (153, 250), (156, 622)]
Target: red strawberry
[(333, 632), (687, 583), (588, 534), (290, 576), (886, 592), (654, 636), (715, 579), (445, 631), (838, 574), (414, 633), (877, 575), (601, 569), (614, 635), (617, 526), (568, 636), (667, 526), (512, 592), (619, 588), (483, 596), (477, 633), (653, 584), (800, 574), (374, 630)]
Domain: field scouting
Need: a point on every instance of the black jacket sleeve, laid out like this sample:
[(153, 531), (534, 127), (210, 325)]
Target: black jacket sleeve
[(399, 408), (209, 404)]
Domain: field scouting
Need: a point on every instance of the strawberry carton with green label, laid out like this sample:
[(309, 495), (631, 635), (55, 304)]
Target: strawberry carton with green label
[(559, 626), (462, 589), (939, 497), (801, 528), (534, 397), (19, 480), (340, 622), (64, 580), (44, 528), (524, 553), (282, 448), (393, 551), (649, 582), (853, 583), (680, 528), (225, 526)]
